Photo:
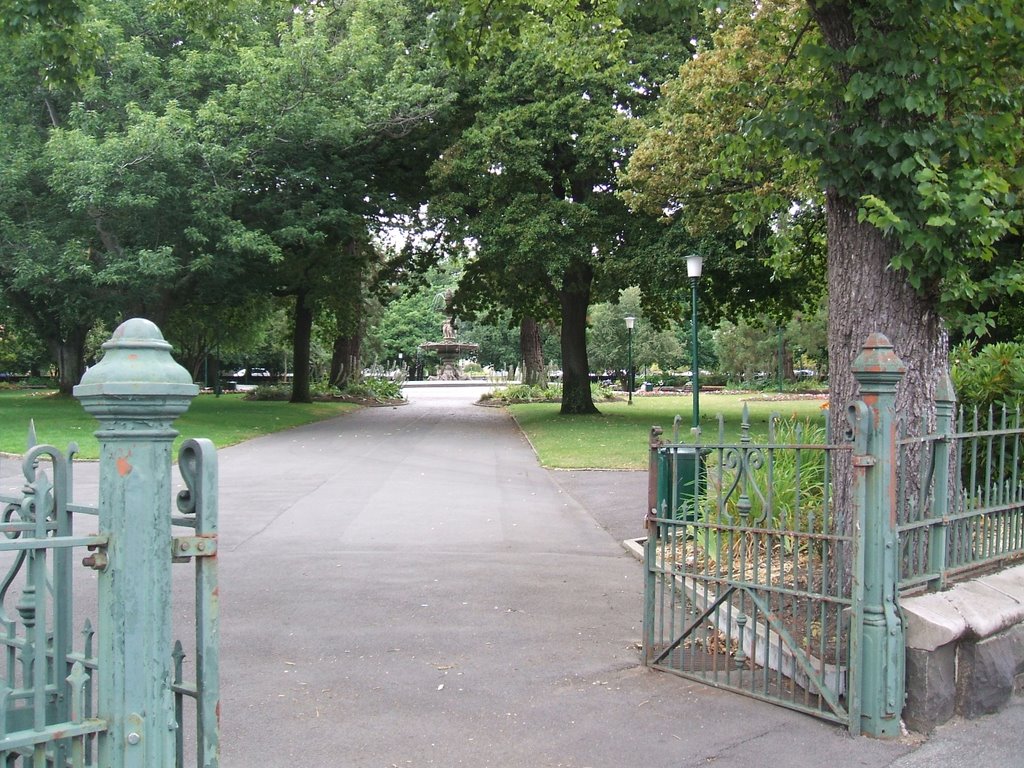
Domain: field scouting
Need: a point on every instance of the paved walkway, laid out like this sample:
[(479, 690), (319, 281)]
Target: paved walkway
[(406, 587)]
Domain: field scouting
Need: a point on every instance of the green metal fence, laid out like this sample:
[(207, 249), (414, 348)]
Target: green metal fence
[(47, 688), (961, 496)]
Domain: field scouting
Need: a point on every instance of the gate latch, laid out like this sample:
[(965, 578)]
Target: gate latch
[(185, 547)]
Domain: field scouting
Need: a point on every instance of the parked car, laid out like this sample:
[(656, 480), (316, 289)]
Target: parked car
[(254, 373)]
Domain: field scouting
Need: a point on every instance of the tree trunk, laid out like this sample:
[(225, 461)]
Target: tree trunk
[(344, 360), (575, 301), (531, 352), (69, 354), (300, 349), (865, 296)]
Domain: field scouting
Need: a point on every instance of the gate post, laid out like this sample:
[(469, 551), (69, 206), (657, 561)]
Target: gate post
[(878, 371), (651, 543), (135, 392), (945, 405)]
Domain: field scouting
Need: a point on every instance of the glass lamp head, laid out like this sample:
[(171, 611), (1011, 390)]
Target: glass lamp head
[(694, 266)]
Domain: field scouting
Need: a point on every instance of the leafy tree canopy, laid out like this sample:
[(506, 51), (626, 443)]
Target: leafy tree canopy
[(927, 140), (609, 338), (190, 172)]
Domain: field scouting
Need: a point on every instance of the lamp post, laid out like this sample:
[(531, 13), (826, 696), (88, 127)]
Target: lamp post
[(629, 356), (782, 357), (694, 265)]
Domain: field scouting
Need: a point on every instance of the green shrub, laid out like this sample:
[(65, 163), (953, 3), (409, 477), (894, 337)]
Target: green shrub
[(516, 394), (525, 393), (270, 392), (29, 382), (711, 380), (383, 390), (992, 375)]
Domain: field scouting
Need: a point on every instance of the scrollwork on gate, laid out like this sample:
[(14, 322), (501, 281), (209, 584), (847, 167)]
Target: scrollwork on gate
[(34, 514), (741, 464), (194, 459)]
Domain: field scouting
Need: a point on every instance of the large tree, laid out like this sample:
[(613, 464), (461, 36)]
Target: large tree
[(532, 180), (934, 131), (190, 171), (884, 115), (99, 215), (314, 141)]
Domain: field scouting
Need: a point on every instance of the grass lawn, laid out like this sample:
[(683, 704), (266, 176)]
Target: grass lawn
[(226, 420), (617, 438)]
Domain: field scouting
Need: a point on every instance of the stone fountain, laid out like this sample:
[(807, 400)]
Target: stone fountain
[(450, 350)]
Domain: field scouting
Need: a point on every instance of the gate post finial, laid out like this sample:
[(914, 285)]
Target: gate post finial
[(136, 391), (877, 368), (879, 371)]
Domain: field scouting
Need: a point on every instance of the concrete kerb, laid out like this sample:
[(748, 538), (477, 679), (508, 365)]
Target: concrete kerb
[(976, 609), (932, 621), (965, 649)]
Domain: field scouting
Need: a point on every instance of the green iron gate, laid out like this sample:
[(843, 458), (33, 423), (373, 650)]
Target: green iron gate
[(111, 693), (46, 691), (754, 582), (745, 588)]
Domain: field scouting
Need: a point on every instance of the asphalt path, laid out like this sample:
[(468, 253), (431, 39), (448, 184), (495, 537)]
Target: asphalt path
[(407, 587)]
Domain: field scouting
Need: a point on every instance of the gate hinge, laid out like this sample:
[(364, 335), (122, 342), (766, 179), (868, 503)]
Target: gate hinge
[(98, 560), (185, 547), (864, 461)]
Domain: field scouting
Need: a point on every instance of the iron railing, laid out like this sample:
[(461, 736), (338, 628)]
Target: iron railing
[(771, 569), (48, 681), (124, 704), (961, 498), (47, 687), (198, 511)]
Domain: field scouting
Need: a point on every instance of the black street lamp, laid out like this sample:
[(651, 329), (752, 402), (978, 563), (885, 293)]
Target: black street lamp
[(629, 355), (694, 266)]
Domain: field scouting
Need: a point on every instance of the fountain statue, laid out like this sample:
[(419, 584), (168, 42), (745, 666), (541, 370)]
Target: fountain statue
[(449, 349)]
